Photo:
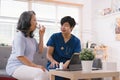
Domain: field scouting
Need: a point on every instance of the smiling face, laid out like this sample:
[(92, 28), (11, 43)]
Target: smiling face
[(66, 29), (33, 23)]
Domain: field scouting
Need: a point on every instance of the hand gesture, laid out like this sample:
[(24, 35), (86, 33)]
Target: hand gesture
[(42, 30), (41, 67), (54, 64), (65, 65)]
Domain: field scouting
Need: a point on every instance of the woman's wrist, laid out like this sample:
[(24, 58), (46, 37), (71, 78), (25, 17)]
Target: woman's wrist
[(41, 36)]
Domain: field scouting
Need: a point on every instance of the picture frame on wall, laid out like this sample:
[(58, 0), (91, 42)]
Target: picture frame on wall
[(117, 29), (114, 8)]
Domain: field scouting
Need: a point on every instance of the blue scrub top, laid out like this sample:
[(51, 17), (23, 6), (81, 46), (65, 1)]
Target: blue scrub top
[(63, 51)]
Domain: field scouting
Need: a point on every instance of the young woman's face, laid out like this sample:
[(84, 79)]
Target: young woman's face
[(65, 28), (33, 23)]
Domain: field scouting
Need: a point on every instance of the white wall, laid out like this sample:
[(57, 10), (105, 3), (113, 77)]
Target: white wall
[(100, 29), (104, 30), (98, 5), (105, 34)]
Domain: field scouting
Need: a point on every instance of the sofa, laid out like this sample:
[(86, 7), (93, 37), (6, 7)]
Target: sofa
[(5, 52), (4, 55), (39, 59)]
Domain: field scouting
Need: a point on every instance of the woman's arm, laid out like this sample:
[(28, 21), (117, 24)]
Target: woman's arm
[(27, 62), (41, 35)]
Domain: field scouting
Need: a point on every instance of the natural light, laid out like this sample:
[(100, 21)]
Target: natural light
[(47, 15)]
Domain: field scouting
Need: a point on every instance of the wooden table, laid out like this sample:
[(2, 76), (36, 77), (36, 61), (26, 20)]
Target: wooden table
[(75, 75)]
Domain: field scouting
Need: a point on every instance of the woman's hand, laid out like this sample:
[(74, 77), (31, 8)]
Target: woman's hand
[(27, 62), (41, 35), (41, 67), (42, 30)]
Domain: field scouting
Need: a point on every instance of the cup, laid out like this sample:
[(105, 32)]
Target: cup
[(61, 65), (38, 26)]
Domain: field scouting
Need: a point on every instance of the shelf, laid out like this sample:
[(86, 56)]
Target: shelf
[(108, 15)]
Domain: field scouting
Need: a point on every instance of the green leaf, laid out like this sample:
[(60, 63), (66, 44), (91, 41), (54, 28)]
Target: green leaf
[(87, 54)]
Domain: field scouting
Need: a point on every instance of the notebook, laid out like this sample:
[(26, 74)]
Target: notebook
[(75, 64)]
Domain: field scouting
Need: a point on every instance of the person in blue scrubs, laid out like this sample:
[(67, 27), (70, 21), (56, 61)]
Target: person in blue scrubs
[(62, 45)]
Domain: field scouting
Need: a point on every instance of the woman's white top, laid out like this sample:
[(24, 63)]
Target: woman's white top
[(22, 46)]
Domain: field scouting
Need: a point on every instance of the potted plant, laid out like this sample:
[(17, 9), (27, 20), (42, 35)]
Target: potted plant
[(87, 56)]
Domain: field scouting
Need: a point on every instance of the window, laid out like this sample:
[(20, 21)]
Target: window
[(47, 15), (7, 30), (50, 16), (12, 8), (44, 11)]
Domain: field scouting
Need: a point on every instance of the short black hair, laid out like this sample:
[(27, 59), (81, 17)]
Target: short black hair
[(24, 23), (68, 19)]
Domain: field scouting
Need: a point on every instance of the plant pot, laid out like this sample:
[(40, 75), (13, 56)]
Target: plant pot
[(87, 66)]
